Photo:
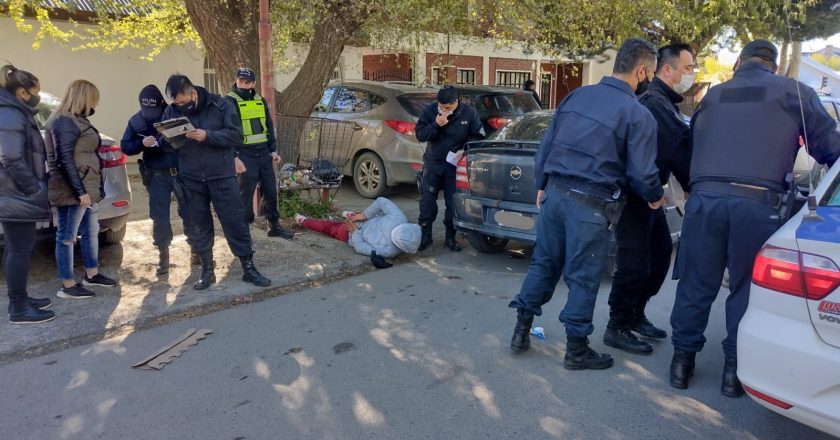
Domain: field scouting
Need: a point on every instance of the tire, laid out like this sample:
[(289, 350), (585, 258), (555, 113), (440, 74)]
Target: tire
[(486, 244), (369, 176), (111, 237)]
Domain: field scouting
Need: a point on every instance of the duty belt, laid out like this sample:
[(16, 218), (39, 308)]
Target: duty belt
[(164, 171), (611, 208), (760, 194)]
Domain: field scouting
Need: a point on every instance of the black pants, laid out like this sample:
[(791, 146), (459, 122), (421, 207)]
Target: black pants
[(20, 239), (437, 176), (642, 260), (259, 169), (224, 194), (161, 187)]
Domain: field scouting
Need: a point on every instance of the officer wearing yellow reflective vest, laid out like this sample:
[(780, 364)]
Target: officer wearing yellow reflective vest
[(257, 153)]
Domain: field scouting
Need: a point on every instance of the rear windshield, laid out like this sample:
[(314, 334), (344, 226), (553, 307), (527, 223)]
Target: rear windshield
[(527, 128), (509, 104), (414, 103)]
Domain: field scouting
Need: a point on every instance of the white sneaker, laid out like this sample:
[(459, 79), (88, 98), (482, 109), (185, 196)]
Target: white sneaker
[(299, 218)]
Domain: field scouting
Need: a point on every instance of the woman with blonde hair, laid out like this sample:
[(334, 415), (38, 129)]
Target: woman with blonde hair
[(76, 186), (23, 189)]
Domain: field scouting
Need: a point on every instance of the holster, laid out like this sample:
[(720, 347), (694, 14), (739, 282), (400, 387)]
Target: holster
[(145, 172)]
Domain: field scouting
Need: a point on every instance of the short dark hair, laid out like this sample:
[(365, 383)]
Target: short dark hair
[(12, 79), (447, 95), (177, 84), (529, 83), (667, 54), (633, 52)]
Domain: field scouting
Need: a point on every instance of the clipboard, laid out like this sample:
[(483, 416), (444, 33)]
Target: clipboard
[(175, 131)]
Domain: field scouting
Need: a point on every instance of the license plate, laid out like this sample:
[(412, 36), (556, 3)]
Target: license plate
[(514, 220)]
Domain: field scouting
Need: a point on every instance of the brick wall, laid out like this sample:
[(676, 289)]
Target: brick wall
[(508, 64), (389, 67), (460, 61)]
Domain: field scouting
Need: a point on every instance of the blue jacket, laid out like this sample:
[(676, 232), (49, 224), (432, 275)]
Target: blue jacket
[(374, 234), (132, 143), (213, 158), (464, 126), (603, 137)]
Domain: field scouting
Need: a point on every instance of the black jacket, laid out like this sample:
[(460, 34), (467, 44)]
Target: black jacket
[(132, 143), (269, 124), (23, 175), (213, 158), (673, 136), (464, 126), (747, 129)]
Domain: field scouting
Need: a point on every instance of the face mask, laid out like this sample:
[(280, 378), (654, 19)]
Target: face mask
[(186, 109), (245, 93), (151, 114), (642, 87), (33, 101), (91, 112), (685, 83)]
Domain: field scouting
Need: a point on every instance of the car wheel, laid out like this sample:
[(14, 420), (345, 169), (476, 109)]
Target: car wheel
[(369, 176), (486, 244), (110, 236)]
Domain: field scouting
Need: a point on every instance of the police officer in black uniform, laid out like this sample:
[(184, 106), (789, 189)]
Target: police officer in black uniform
[(642, 235), (158, 169), (746, 134), (446, 126), (257, 153), (601, 143), (207, 173)]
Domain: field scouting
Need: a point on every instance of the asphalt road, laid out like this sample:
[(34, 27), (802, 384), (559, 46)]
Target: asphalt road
[(416, 351)]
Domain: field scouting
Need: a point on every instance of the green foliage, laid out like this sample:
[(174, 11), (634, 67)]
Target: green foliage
[(305, 203)]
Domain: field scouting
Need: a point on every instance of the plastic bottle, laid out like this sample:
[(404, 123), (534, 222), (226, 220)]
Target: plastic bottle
[(538, 332)]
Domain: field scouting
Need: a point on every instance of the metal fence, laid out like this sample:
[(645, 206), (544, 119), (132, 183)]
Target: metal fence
[(315, 150)]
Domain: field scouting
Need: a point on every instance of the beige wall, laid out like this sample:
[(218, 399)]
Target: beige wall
[(119, 76), (593, 71)]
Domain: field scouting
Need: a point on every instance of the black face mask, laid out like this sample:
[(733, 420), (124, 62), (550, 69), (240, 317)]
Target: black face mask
[(245, 93), (33, 101), (152, 114), (186, 109), (642, 87)]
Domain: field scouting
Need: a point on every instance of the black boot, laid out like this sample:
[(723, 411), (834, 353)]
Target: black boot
[(731, 385), (580, 357), (251, 275), (521, 340), (276, 230), (450, 242), (163, 261), (682, 368), (645, 328), (39, 303), (208, 274), (24, 313), (622, 338), (426, 238)]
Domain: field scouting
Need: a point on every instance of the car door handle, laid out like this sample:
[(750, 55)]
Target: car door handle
[(357, 127)]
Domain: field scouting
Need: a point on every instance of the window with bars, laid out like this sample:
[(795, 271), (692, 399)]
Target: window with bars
[(466, 76), (510, 78), (435, 75), (211, 81)]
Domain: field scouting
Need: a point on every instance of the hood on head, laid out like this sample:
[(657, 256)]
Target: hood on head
[(407, 237)]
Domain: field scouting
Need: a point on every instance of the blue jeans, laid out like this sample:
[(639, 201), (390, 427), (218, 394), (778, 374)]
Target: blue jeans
[(74, 221), (572, 240)]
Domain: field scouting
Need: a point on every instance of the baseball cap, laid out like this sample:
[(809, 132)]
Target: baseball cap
[(246, 73), (151, 101), (760, 49)]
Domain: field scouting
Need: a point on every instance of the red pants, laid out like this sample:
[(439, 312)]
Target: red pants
[(337, 230)]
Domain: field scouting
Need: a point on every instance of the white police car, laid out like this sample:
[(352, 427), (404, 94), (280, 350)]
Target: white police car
[(789, 338)]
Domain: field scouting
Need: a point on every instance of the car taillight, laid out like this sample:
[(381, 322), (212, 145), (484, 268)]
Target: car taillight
[(416, 166), (112, 156), (402, 127), (462, 179), (498, 122), (795, 273), (772, 400), (120, 203)]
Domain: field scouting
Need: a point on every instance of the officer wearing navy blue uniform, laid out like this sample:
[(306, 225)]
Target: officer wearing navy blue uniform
[(257, 153), (643, 238), (446, 126), (601, 143), (159, 171), (746, 134), (206, 166)]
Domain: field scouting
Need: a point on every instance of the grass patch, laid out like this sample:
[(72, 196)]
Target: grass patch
[(300, 202)]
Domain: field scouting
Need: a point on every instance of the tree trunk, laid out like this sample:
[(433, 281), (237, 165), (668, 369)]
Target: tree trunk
[(795, 59), (783, 58), (228, 30)]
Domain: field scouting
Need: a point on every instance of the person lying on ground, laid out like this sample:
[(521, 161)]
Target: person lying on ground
[(381, 231)]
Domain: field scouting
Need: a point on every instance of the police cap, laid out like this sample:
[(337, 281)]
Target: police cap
[(246, 73), (760, 49)]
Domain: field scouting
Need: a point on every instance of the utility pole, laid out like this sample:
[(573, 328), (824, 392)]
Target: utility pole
[(267, 58)]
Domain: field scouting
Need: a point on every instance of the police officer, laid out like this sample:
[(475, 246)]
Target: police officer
[(446, 126), (257, 153), (601, 142), (746, 133), (642, 235), (207, 172), (158, 169)]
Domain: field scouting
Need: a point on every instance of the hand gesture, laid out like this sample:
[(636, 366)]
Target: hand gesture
[(351, 226), (84, 201), (197, 135), (149, 142), (540, 197), (356, 216), (442, 119), (657, 204), (276, 158), (240, 166)]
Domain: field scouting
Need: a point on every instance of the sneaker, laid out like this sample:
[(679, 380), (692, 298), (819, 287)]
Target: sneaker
[(99, 280), (299, 218), (75, 292)]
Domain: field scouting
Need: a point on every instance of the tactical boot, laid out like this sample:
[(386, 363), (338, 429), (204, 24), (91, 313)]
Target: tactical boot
[(426, 238), (682, 368), (645, 328), (276, 230), (623, 339), (580, 357), (163, 261), (450, 242), (522, 333), (731, 385), (251, 275), (24, 313), (208, 274), (39, 303)]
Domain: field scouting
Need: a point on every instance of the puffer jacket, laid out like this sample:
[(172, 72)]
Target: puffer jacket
[(73, 162), (374, 234), (23, 175)]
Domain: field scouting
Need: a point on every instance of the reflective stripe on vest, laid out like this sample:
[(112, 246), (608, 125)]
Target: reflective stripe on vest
[(248, 111)]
